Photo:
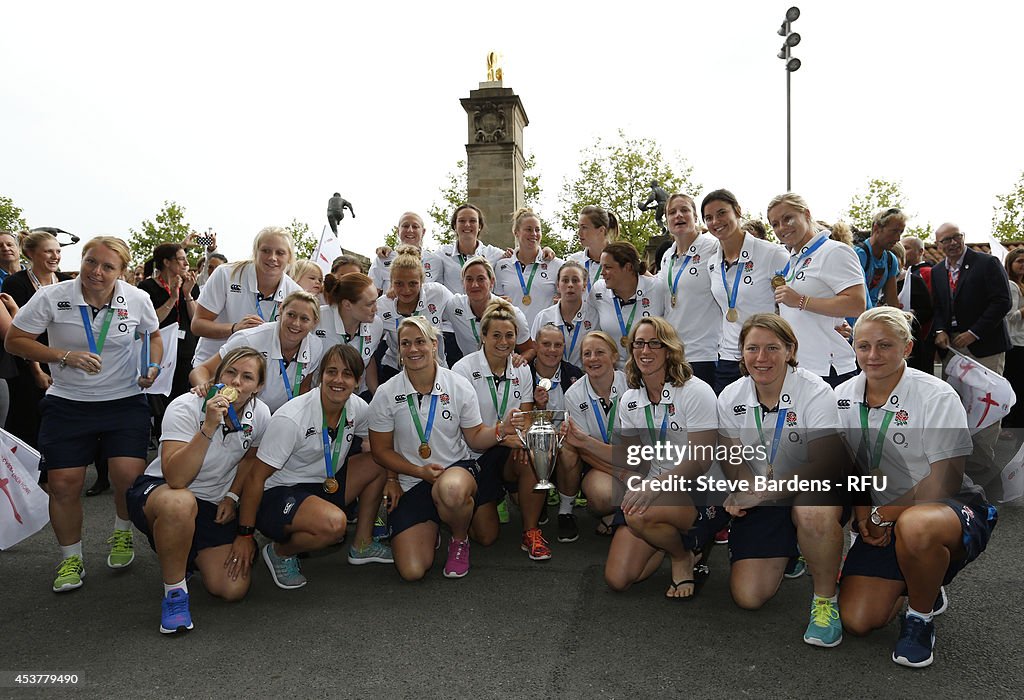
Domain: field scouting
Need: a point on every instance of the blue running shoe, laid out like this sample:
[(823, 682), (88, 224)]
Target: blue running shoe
[(914, 647), (174, 612), (825, 628)]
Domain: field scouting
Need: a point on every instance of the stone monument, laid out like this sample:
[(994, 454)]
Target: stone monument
[(494, 152)]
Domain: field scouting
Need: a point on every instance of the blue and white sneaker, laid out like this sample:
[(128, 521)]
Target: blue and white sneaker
[(284, 570), (174, 613), (796, 567), (914, 647), (825, 628)]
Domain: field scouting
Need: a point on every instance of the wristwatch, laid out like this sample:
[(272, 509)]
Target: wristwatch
[(876, 518), (246, 531)]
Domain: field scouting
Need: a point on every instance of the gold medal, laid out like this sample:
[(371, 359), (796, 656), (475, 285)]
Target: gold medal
[(230, 393), (330, 485), (526, 300), (673, 301), (424, 450), (778, 281), (624, 341), (732, 316)]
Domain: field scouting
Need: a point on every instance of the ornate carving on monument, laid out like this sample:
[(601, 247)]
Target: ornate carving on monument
[(489, 123)]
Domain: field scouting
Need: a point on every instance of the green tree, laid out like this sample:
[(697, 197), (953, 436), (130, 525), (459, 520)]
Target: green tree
[(168, 226), (455, 192), (1008, 217), (10, 215), (617, 176), (305, 242), (882, 194)]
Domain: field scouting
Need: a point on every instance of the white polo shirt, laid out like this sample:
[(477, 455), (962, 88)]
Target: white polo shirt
[(649, 300), (691, 407), (267, 340), (695, 316), (331, 332), (593, 268), (452, 261), (184, 418), (294, 443), (459, 316), (759, 261), (542, 289), (808, 412), (573, 334), (456, 408), (926, 423), (433, 298), (57, 309), (380, 269), (517, 381), (828, 270), (581, 400), (232, 297)]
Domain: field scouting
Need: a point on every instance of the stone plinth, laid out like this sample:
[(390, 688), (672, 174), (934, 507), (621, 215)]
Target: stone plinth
[(494, 157)]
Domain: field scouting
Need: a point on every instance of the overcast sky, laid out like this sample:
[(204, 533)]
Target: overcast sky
[(250, 114)]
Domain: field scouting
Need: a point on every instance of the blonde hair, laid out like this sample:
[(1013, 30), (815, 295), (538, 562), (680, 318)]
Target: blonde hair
[(498, 310), (239, 354), (900, 252), (267, 232), (677, 369), (477, 260), (115, 244), (842, 232), (31, 240), (306, 297), (301, 267), (520, 215), (602, 337), (895, 320), (421, 324), (884, 215), (408, 258), (773, 323)]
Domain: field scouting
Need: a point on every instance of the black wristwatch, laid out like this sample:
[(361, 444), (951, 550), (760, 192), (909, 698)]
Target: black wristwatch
[(876, 518), (245, 531)]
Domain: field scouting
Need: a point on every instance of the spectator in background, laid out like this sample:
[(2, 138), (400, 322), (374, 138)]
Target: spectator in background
[(10, 255), (875, 253), (212, 262), (756, 228), (309, 276), (841, 232), (1015, 321), (344, 264), (922, 356)]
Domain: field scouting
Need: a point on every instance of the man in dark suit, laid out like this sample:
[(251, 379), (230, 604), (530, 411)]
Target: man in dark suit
[(972, 297)]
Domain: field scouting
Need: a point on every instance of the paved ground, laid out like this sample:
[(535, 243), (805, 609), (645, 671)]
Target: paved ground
[(513, 628)]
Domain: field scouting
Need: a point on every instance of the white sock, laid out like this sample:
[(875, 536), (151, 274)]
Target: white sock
[(122, 524), (834, 598), (168, 587), (71, 550), (927, 617), (565, 504)]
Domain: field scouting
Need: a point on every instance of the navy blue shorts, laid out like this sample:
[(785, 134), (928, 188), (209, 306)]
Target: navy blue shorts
[(207, 533), (705, 371), (726, 373), (77, 433), (767, 532), (977, 520), (281, 503), (417, 504), (710, 519)]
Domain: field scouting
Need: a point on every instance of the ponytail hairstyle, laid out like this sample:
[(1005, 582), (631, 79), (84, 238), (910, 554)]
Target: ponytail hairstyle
[(409, 258), (345, 288), (498, 310), (624, 254), (598, 217)]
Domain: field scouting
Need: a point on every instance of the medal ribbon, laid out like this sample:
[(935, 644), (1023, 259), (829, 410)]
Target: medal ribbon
[(494, 395), (650, 423), (424, 434), (795, 264), (597, 275), (526, 286), (232, 424), (94, 346), (331, 456), (625, 328), (735, 283), (606, 431), (673, 283), (259, 311), (876, 454), (779, 422), (567, 346), (292, 391), (472, 327)]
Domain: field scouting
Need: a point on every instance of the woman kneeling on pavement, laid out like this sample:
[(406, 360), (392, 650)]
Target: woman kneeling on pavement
[(784, 419), (929, 520), (425, 425), (185, 502), (307, 470)]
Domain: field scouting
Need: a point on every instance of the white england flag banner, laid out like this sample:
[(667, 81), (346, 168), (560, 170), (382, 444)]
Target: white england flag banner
[(987, 397), (169, 337), (903, 299), (24, 507), (1013, 477), (327, 250)]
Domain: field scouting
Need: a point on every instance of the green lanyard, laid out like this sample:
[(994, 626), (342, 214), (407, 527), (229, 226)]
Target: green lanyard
[(494, 396), (650, 424), (876, 454), (476, 336), (331, 457)]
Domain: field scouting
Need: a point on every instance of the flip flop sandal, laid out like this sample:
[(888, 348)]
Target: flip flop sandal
[(675, 586), (604, 529)]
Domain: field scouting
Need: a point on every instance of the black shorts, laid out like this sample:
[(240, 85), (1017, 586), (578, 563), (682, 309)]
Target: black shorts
[(767, 532), (417, 504), (281, 503), (977, 520), (207, 533), (77, 433)]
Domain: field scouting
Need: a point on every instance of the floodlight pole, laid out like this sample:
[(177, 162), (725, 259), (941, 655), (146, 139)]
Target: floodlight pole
[(791, 39)]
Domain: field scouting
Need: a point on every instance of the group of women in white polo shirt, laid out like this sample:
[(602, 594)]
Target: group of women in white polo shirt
[(637, 360)]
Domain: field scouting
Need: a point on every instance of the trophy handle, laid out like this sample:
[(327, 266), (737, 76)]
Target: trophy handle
[(519, 434), (562, 433)]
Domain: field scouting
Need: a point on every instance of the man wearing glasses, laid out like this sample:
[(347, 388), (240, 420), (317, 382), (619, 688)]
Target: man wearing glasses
[(972, 297)]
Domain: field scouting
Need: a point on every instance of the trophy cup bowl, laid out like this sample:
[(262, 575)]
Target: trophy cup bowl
[(542, 439)]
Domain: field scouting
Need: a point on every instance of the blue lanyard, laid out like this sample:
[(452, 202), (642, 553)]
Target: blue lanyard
[(259, 311), (526, 286), (673, 284), (331, 457), (618, 312), (735, 283), (586, 264), (779, 422), (569, 347), (600, 420), (796, 264), (289, 393)]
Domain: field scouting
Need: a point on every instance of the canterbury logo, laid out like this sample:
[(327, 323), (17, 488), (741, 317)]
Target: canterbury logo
[(64, 305)]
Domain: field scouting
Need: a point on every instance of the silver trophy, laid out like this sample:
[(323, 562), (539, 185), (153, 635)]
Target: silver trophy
[(542, 441)]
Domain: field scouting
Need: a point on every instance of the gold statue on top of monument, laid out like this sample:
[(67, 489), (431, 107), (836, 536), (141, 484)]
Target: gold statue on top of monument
[(494, 66)]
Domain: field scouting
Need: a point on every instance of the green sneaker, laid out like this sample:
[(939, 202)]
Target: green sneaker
[(580, 501), (121, 551), (503, 516), (70, 573), (553, 497), (824, 629)]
